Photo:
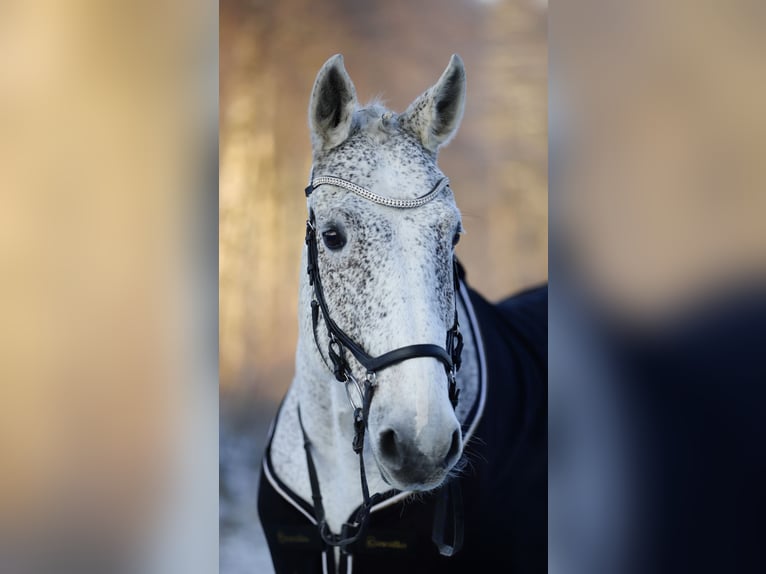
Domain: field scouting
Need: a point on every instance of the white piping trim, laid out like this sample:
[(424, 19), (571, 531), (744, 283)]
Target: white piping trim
[(482, 360), (349, 564), (284, 495), (324, 562), (482, 396)]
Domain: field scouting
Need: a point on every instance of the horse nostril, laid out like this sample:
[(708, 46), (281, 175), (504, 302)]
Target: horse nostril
[(388, 446), (454, 449)]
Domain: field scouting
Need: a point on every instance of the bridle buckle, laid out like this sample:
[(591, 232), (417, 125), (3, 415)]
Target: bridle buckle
[(310, 230), (339, 366), (454, 392), (359, 426)]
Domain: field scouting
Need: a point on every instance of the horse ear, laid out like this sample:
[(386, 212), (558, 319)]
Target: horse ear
[(333, 100), (435, 115)]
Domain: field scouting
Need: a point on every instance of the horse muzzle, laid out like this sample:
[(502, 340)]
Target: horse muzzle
[(406, 463)]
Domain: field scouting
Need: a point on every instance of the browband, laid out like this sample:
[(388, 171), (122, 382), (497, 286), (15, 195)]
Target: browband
[(374, 197)]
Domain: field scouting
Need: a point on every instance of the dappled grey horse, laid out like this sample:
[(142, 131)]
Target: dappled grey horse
[(413, 437)]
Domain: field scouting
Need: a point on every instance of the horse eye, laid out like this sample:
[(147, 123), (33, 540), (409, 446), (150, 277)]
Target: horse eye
[(455, 239), (333, 239)]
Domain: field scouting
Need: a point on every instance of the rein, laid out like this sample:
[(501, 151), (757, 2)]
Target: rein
[(340, 342)]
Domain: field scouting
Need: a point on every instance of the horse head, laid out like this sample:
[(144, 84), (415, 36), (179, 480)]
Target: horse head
[(386, 272)]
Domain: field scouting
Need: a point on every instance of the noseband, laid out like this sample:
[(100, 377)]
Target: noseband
[(340, 343)]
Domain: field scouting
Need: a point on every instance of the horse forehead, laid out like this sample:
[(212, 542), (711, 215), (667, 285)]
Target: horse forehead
[(396, 166)]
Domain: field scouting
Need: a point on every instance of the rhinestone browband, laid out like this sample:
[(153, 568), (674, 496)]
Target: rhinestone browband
[(374, 197)]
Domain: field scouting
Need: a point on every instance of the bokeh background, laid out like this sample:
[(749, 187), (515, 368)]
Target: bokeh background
[(270, 53), (658, 287), (108, 300)]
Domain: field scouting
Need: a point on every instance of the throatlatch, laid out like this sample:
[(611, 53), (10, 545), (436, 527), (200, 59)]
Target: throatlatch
[(339, 342)]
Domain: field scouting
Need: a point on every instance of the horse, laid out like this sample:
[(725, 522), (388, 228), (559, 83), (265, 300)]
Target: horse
[(413, 437)]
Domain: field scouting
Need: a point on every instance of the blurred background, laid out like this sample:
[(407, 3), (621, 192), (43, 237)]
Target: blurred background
[(657, 305), (270, 53), (108, 366)]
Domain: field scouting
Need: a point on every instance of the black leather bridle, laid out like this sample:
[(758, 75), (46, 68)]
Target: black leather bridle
[(340, 343)]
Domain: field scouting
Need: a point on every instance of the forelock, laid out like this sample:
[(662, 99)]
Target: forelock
[(375, 120)]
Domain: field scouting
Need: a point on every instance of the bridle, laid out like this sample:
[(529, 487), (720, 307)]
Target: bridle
[(340, 343)]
